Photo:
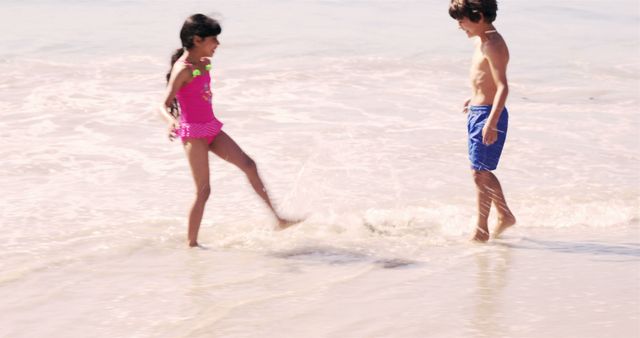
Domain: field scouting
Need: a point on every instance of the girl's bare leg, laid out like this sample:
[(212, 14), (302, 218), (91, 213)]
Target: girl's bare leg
[(227, 149), (197, 152)]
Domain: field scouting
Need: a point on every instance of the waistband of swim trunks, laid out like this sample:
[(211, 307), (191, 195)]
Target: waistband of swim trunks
[(480, 109), (483, 109)]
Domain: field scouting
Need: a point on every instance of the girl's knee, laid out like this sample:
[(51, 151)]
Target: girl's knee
[(248, 164), (203, 192)]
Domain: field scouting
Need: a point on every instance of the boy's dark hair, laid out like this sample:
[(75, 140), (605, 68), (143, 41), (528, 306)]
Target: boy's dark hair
[(459, 9)]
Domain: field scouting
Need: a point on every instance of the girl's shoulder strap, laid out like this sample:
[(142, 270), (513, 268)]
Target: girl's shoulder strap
[(187, 63), (195, 72), (179, 68)]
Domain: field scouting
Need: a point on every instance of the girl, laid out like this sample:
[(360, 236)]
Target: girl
[(188, 98)]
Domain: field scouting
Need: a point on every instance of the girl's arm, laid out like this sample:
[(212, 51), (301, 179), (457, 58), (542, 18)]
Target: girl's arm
[(179, 77)]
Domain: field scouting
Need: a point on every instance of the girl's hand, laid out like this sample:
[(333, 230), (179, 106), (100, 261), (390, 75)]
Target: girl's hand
[(489, 134), (465, 106), (174, 126)]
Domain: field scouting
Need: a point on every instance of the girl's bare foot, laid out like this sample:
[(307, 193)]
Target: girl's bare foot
[(481, 235), (285, 223), (503, 224)]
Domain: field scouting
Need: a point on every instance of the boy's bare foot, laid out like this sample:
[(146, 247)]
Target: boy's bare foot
[(504, 223), (193, 244), (285, 223), (481, 235)]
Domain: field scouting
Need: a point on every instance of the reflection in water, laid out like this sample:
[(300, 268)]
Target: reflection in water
[(491, 279), (202, 303)]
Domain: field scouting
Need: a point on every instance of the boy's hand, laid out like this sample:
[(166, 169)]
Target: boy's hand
[(489, 134), (465, 107)]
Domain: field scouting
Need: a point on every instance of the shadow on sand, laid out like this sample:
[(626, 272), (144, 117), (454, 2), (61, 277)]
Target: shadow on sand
[(338, 256)]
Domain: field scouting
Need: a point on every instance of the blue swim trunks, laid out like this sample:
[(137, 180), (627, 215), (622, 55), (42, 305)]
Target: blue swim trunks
[(482, 156)]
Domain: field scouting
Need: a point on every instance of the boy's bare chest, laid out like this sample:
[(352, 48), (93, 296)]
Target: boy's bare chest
[(479, 63)]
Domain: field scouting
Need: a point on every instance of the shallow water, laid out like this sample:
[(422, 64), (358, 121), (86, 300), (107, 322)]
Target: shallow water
[(351, 110)]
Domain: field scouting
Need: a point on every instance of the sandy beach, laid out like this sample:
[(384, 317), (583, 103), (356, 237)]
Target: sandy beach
[(526, 286)]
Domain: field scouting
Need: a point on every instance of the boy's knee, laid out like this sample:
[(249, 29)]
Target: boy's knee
[(480, 177)]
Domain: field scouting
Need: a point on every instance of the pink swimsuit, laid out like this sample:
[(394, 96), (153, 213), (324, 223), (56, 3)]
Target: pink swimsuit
[(196, 109)]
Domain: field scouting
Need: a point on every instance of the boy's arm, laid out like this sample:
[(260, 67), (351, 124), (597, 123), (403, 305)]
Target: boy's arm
[(497, 56), (465, 106)]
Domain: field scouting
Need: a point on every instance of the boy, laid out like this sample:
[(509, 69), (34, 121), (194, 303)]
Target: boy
[(487, 118)]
